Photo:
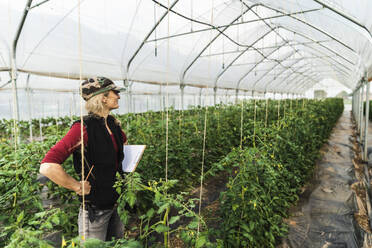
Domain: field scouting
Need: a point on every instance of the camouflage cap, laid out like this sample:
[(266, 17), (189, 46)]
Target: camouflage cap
[(97, 85)]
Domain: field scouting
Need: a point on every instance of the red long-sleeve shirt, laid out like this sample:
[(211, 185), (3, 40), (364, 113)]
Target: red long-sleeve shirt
[(69, 143)]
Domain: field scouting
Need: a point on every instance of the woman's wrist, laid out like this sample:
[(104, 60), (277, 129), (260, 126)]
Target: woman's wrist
[(77, 187)]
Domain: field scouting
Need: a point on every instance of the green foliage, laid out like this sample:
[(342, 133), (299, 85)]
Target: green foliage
[(280, 141), (269, 176)]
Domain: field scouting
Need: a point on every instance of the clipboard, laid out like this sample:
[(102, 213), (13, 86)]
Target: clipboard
[(132, 156)]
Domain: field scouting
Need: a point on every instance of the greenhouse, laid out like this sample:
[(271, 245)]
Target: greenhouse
[(245, 141)]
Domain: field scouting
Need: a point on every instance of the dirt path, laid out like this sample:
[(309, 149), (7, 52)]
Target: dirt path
[(324, 215)]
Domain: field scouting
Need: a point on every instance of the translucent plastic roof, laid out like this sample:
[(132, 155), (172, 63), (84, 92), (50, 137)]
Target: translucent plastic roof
[(263, 46)]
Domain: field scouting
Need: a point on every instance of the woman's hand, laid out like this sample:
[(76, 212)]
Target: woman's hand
[(86, 186)]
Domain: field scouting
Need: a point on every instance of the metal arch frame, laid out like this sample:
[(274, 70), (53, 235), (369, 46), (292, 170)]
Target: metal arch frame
[(315, 50), (341, 81), (331, 65), (244, 51), (303, 45), (300, 85), (339, 70), (285, 69), (344, 15), (263, 59), (312, 26), (292, 84), (296, 75), (259, 48), (272, 68), (233, 24), (277, 33), (294, 72), (149, 34), (238, 24), (13, 61), (325, 59), (314, 41), (270, 26), (182, 77), (305, 86)]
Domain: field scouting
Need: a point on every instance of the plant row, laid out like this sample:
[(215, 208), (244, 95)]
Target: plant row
[(158, 202)]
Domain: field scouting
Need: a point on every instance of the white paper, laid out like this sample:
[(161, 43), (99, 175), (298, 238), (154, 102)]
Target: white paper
[(132, 155)]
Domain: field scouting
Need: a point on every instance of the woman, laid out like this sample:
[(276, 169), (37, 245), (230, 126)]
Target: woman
[(103, 154)]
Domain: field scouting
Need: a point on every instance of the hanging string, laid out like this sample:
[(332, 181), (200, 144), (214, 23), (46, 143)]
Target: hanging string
[(192, 14), (14, 113), (166, 105), (267, 102), (205, 130), (81, 122), (156, 40), (291, 100), (254, 124), (223, 53), (241, 125), (167, 118), (278, 109), (284, 107), (202, 166)]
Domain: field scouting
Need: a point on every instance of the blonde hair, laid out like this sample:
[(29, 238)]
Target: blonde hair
[(95, 105)]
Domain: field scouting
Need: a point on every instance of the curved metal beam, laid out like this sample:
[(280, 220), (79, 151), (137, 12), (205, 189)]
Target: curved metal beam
[(272, 68), (250, 70), (296, 75), (312, 26), (209, 43), (233, 24), (14, 64), (348, 69), (292, 84), (149, 34), (344, 15), (289, 67), (314, 41), (237, 57)]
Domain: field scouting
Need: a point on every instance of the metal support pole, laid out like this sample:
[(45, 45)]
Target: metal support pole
[(130, 99), (200, 97), (352, 104), (357, 108), (236, 96), (361, 114), (182, 87), (215, 95), (29, 106), (366, 123)]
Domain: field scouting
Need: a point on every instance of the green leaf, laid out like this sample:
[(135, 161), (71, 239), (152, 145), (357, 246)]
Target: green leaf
[(150, 213), (131, 198), (201, 241), (55, 219), (162, 208), (174, 219), (193, 224), (20, 217), (161, 228)]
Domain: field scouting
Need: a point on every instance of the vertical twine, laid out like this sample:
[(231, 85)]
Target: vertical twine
[(241, 125), (254, 125), (204, 134), (202, 167), (167, 118), (81, 121)]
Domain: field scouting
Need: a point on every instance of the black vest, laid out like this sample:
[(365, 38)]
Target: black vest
[(101, 153)]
